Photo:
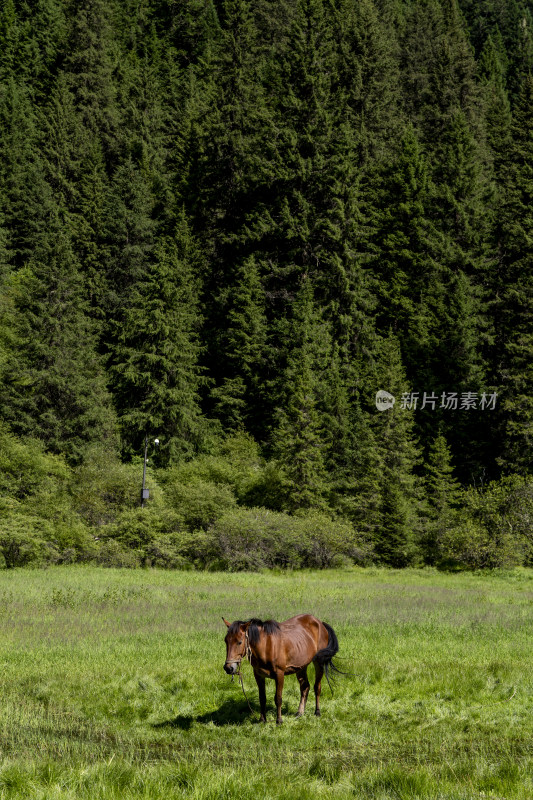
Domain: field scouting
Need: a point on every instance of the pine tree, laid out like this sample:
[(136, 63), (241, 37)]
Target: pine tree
[(238, 398), (309, 225), (63, 145), (366, 76), (298, 440), (75, 171), (153, 363), (442, 492), (54, 386), (493, 68), (9, 39), (303, 116), (438, 69), (6, 312), (41, 40), (352, 456), (25, 192), (223, 166), (89, 68), (405, 245), (400, 490), (462, 205), (89, 232), (129, 234), (513, 307), (142, 102)]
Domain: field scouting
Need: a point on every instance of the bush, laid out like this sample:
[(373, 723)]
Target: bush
[(492, 529), (23, 542), (257, 538), (109, 553), (26, 470), (199, 503), (154, 537), (26, 539), (37, 522), (236, 463), (266, 488), (104, 488)]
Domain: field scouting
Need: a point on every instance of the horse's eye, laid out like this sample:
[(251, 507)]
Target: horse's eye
[(239, 642)]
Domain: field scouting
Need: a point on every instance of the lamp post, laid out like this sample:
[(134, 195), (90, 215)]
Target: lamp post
[(145, 493)]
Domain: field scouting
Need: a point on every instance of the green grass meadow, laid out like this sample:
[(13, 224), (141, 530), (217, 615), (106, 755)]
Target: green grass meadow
[(112, 686)]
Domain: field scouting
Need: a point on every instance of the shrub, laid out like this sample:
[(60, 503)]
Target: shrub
[(26, 470), (26, 539), (153, 537), (492, 529), (236, 463), (266, 488), (37, 522), (110, 553), (104, 488), (257, 538), (23, 541), (199, 503)]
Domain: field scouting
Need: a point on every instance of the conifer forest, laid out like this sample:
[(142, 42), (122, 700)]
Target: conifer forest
[(293, 241)]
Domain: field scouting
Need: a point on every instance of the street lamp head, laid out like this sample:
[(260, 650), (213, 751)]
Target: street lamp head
[(156, 442)]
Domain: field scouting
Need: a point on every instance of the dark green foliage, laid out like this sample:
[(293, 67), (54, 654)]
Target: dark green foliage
[(442, 491), (493, 68), (229, 224), (493, 528), (89, 70), (153, 360), (513, 287), (26, 196), (397, 457), (242, 343), (299, 437), (405, 242), (54, 385)]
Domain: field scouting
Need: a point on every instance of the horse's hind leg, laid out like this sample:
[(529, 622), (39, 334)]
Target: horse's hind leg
[(304, 690), (319, 672)]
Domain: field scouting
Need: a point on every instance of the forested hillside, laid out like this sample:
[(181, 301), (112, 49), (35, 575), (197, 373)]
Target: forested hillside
[(229, 224)]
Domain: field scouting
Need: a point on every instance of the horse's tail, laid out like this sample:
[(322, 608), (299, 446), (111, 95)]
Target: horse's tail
[(324, 657)]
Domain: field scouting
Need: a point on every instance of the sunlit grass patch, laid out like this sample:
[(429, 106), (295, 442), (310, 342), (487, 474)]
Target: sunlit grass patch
[(112, 686)]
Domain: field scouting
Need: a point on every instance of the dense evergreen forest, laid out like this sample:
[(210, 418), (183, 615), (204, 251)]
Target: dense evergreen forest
[(228, 224)]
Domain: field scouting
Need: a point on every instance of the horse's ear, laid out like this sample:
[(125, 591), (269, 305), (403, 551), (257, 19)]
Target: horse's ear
[(226, 621), (246, 625)]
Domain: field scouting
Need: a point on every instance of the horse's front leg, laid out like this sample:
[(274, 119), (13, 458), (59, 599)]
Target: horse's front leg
[(279, 678), (262, 695), (304, 690)]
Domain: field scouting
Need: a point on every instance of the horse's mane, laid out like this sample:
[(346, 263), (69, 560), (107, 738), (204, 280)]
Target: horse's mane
[(269, 626)]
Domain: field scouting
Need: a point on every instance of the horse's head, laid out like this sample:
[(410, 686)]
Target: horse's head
[(236, 645)]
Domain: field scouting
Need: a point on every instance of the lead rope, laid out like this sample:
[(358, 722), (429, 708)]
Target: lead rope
[(248, 655)]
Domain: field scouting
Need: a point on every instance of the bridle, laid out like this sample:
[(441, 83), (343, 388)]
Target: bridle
[(248, 655)]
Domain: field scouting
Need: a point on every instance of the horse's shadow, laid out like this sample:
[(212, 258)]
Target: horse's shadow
[(231, 712)]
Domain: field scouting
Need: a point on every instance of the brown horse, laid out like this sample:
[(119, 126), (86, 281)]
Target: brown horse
[(276, 649)]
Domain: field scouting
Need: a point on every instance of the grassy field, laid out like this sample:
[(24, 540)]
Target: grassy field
[(112, 687)]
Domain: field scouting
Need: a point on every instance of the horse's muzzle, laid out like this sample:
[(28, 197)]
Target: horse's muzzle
[(231, 667)]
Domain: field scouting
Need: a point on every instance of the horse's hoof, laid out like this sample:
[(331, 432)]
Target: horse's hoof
[(279, 721), (317, 713), (299, 715)]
